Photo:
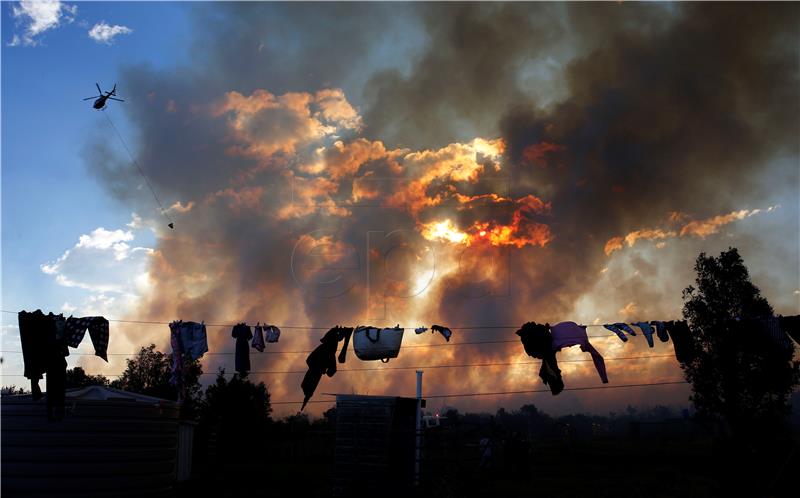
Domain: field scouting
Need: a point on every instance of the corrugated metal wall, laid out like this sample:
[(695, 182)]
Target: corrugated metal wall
[(374, 446), (101, 448)]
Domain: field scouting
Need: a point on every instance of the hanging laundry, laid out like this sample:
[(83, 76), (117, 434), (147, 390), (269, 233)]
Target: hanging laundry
[(446, 333), (661, 330), (538, 343), (272, 333), (98, 332), (242, 333), (791, 326), (177, 355), (421, 330), (322, 361), (345, 334), (616, 330), (258, 338), (43, 352), (647, 330), (682, 340), (624, 326), (372, 343), (567, 334)]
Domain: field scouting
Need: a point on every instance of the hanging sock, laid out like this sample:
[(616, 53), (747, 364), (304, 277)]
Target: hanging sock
[(421, 330), (567, 334), (446, 333), (272, 333), (616, 330), (258, 338), (647, 330), (242, 333), (661, 330)]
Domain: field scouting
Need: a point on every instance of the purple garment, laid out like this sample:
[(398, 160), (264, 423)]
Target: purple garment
[(567, 334)]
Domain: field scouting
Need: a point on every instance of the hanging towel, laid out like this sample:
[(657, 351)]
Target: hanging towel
[(446, 333), (616, 330), (538, 343), (661, 330), (322, 361), (647, 330), (567, 334), (242, 333), (272, 333), (682, 340), (98, 332), (258, 339)]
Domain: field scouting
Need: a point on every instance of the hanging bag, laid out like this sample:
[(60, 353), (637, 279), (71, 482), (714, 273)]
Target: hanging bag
[(372, 343)]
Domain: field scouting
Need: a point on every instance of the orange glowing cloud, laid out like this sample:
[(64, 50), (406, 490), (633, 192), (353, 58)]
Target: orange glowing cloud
[(537, 153)]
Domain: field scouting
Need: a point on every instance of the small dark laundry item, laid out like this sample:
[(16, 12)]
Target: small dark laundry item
[(98, 332), (661, 330), (538, 343), (322, 361), (682, 340), (242, 333), (446, 333), (616, 330)]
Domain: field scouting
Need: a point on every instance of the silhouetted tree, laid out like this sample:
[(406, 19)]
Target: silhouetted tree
[(149, 373), (12, 389), (238, 412), (739, 375), (77, 378)]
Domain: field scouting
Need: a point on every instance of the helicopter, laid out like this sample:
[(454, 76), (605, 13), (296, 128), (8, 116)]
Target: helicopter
[(100, 103)]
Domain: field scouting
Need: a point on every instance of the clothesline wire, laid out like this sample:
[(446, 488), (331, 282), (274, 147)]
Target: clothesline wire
[(141, 171), (465, 365), (315, 327), (502, 393)]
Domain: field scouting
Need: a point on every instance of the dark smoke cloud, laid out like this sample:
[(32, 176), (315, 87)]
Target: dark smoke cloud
[(658, 110)]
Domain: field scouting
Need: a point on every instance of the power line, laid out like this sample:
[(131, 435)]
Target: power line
[(383, 369), (141, 171), (588, 388)]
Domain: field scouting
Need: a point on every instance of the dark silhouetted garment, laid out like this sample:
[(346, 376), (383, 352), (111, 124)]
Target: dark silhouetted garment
[(538, 343), (242, 334), (98, 332), (43, 350), (258, 338), (682, 340), (647, 330), (446, 333), (567, 334), (616, 330), (661, 330), (322, 361), (791, 326), (272, 333), (627, 328)]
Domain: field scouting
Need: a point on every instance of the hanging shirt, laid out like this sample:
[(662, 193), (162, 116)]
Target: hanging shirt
[(194, 339), (272, 333), (322, 361), (661, 330), (258, 339), (567, 334), (242, 334), (446, 333), (538, 343), (616, 330), (647, 330), (682, 340), (98, 332)]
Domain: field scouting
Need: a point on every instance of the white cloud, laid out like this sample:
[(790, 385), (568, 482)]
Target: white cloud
[(103, 261), (37, 16), (103, 32)]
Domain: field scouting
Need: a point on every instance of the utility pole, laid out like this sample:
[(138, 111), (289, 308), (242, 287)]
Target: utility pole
[(418, 455)]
